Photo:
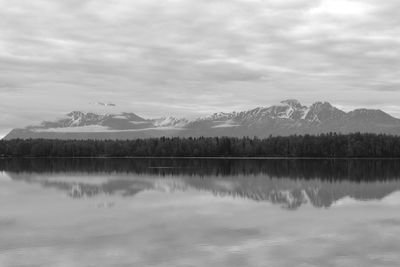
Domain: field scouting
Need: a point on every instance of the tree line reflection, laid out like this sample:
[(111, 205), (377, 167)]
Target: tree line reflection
[(288, 183), (325, 169)]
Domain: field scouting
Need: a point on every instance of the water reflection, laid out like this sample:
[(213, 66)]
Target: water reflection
[(151, 212), (326, 169), (288, 183)]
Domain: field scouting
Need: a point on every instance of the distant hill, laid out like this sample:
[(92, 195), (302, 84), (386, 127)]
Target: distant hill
[(288, 118)]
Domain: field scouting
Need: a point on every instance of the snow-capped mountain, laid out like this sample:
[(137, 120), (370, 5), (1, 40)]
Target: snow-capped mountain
[(78, 119), (290, 117)]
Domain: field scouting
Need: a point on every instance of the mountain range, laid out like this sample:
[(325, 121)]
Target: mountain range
[(290, 117)]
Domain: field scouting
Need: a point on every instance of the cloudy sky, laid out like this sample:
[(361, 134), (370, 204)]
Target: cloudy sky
[(193, 57)]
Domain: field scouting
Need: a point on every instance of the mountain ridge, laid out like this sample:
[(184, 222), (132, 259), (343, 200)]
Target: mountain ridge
[(290, 117)]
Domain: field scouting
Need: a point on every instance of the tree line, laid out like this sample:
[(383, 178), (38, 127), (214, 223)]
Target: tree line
[(322, 169), (323, 145)]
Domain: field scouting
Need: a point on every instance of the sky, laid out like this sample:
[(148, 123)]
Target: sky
[(194, 57)]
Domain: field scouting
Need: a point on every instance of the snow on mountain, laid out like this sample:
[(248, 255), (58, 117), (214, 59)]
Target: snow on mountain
[(319, 112), (289, 117), (290, 110), (121, 121), (75, 129), (170, 122)]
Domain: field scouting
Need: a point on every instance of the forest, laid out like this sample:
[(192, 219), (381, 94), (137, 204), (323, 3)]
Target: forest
[(330, 145)]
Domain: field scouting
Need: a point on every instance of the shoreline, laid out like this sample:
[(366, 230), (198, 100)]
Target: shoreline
[(216, 158)]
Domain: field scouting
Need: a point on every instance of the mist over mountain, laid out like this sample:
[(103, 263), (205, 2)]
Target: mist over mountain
[(290, 117)]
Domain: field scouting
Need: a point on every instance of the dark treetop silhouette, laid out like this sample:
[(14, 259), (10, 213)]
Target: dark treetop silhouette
[(324, 145)]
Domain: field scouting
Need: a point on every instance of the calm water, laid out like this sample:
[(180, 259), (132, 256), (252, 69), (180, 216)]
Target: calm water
[(199, 212)]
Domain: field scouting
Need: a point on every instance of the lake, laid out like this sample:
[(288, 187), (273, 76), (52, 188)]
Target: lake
[(199, 212)]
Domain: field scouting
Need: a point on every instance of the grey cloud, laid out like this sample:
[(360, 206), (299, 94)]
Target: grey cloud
[(148, 52), (225, 71)]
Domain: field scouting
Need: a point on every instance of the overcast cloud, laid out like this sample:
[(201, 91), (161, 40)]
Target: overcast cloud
[(193, 57)]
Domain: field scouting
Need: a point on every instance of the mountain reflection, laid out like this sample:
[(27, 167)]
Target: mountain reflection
[(289, 183)]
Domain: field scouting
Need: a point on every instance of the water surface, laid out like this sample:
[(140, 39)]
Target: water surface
[(153, 212)]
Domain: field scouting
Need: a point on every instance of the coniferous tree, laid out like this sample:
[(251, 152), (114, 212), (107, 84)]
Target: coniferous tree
[(324, 145)]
